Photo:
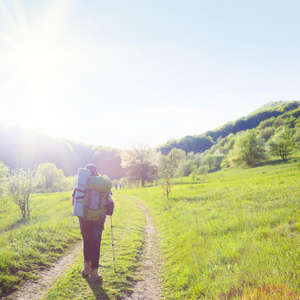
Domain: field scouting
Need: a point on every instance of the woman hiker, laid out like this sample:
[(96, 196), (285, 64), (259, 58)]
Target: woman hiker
[(91, 231)]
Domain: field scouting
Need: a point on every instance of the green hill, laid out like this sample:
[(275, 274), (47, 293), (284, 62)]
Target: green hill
[(287, 111), (21, 148)]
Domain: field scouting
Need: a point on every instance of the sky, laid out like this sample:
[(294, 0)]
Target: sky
[(126, 72)]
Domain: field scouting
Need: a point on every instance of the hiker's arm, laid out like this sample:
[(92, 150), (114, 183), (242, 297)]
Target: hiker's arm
[(73, 197)]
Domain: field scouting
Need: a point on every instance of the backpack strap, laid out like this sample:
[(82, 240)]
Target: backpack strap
[(81, 191)]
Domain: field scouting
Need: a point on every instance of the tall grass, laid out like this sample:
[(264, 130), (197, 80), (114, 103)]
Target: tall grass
[(227, 236)]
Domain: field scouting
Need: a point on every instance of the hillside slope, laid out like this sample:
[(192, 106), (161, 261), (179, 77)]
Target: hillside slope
[(20, 148), (203, 142)]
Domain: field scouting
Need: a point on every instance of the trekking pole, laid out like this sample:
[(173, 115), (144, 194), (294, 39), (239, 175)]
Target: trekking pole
[(112, 243)]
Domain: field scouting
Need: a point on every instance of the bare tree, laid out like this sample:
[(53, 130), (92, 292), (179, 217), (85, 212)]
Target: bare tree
[(20, 185), (166, 171), (167, 168), (141, 162)]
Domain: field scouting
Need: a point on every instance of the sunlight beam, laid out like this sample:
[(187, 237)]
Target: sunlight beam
[(33, 57)]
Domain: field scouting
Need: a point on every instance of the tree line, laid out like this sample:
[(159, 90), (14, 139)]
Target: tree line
[(250, 147), (21, 148), (203, 142), (273, 138)]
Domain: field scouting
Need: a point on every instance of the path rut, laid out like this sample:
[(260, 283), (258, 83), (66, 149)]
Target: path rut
[(149, 287), (36, 290)]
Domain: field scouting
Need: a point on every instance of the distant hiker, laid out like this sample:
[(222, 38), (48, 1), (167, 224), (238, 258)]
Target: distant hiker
[(95, 198), (116, 186)]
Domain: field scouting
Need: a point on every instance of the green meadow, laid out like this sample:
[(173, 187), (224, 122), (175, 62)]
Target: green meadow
[(26, 247), (29, 247), (228, 234), (221, 237)]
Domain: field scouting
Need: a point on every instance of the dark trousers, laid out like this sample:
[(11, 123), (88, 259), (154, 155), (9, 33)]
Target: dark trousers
[(91, 232)]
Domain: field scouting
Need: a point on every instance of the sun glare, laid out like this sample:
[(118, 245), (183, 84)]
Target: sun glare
[(34, 52)]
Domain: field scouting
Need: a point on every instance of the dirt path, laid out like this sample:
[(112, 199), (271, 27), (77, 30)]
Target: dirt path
[(149, 287), (36, 290)]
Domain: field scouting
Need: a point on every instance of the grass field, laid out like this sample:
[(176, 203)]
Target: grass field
[(233, 233), (27, 247), (225, 237)]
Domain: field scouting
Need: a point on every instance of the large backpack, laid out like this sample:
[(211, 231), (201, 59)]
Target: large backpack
[(90, 195), (97, 198), (95, 205), (93, 197)]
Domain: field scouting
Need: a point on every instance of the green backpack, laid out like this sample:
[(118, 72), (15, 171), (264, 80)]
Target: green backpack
[(95, 205)]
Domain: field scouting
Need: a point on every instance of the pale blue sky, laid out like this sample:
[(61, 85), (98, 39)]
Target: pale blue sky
[(116, 73)]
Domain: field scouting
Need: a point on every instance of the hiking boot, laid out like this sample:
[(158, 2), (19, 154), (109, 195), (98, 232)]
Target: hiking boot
[(87, 269), (95, 276)]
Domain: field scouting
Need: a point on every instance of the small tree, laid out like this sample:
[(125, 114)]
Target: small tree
[(141, 162), (209, 160), (177, 155), (166, 171), (20, 185), (213, 161), (267, 132), (190, 164), (283, 143), (249, 149), (186, 167), (167, 168), (202, 170), (49, 178)]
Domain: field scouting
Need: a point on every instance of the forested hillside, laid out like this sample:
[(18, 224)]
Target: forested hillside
[(20, 148), (285, 111)]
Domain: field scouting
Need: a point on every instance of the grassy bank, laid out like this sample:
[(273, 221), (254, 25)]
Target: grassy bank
[(26, 247), (225, 237), (29, 246)]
